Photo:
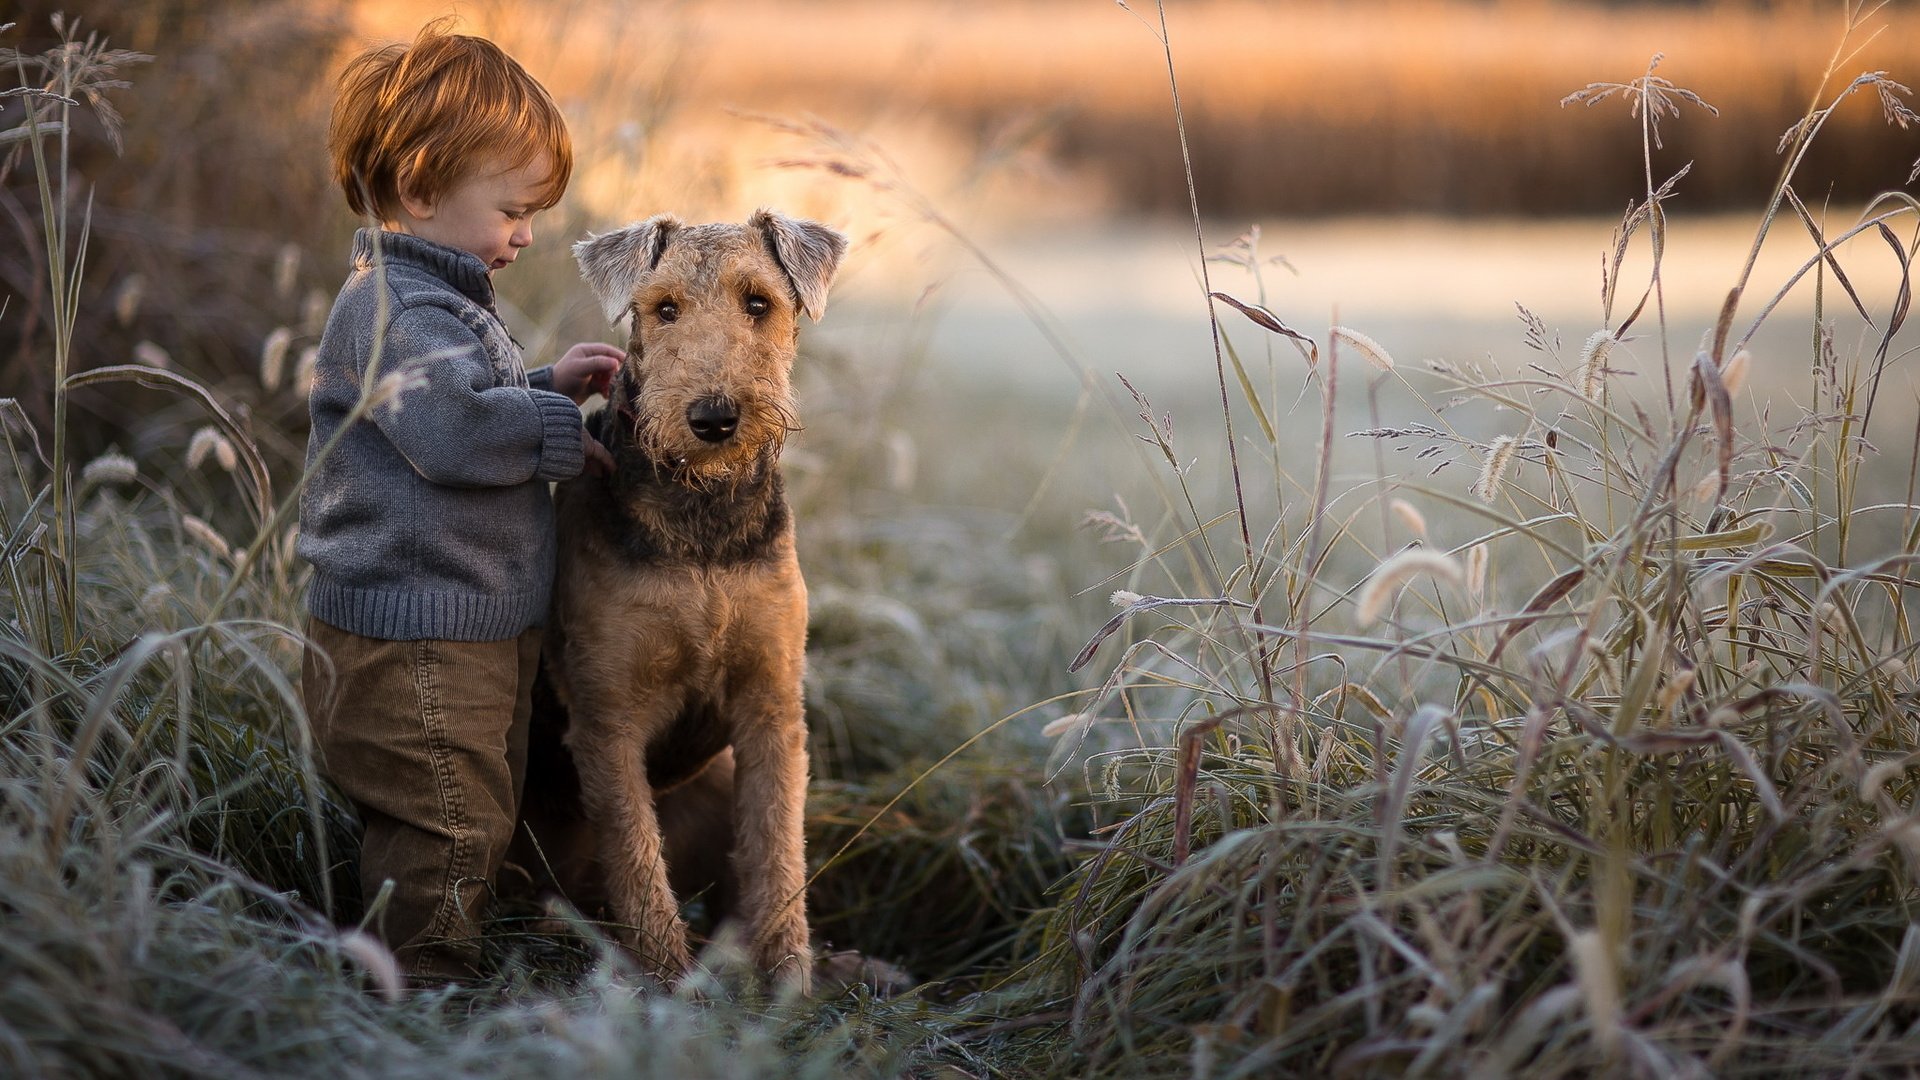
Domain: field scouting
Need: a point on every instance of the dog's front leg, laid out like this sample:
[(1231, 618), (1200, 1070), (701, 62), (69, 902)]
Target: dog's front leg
[(769, 800), (613, 784)]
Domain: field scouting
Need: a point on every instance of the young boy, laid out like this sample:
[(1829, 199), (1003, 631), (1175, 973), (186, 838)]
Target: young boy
[(429, 525)]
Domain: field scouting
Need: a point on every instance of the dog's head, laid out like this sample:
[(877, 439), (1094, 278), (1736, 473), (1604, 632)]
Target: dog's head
[(715, 318)]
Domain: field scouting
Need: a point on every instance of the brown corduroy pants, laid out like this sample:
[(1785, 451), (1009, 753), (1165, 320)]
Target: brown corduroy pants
[(429, 741)]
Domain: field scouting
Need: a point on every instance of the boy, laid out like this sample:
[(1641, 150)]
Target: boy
[(429, 526)]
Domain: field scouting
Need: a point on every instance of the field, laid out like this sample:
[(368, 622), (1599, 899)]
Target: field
[(1325, 711)]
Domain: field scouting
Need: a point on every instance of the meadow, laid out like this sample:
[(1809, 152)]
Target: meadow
[(1546, 719)]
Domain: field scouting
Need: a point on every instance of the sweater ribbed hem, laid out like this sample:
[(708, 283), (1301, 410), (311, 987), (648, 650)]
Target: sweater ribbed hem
[(418, 616), (562, 455)]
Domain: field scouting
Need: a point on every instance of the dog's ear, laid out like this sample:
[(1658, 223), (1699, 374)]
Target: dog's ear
[(613, 263), (808, 251)]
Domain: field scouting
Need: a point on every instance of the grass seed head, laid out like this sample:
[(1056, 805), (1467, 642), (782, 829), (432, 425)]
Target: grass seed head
[(1415, 522), (1493, 470), (207, 536), (1877, 777), (313, 312), (1369, 349), (126, 300), (303, 370), (375, 958), (151, 355), (154, 599), (111, 467), (273, 357), (209, 441), (394, 386), (1676, 689), (1734, 375), (1390, 575), (1593, 363), (1072, 721), (286, 270)]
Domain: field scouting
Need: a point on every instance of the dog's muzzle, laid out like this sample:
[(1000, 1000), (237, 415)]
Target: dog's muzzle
[(713, 419)]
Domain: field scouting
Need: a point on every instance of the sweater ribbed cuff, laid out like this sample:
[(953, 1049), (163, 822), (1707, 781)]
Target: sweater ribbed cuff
[(541, 378), (562, 455), (417, 616)]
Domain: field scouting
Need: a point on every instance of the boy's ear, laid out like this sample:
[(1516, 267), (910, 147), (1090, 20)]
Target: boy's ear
[(808, 251), (613, 263)]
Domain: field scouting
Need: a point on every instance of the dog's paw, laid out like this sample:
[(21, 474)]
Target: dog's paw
[(785, 955), (661, 952), (790, 969)]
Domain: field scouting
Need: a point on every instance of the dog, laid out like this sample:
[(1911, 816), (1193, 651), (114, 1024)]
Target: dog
[(677, 644)]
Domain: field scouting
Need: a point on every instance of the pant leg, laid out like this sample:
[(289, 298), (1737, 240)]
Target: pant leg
[(428, 739), (528, 659)]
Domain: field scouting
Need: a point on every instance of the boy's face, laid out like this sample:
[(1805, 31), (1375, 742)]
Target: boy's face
[(488, 214)]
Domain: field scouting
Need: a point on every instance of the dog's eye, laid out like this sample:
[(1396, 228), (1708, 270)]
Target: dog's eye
[(758, 306), (668, 311)]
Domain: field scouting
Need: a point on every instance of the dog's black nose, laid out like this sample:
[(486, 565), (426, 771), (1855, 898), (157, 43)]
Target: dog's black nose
[(713, 419)]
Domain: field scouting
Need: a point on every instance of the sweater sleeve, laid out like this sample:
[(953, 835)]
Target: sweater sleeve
[(454, 426)]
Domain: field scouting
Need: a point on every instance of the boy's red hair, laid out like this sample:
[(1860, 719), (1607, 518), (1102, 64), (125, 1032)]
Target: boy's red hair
[(420, 118)]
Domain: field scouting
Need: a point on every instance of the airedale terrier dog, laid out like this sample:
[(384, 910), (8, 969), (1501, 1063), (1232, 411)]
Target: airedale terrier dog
[(677, 643)]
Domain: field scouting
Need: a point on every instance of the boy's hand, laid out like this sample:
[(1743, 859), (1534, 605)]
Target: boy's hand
[(586, 369), (598, 461)]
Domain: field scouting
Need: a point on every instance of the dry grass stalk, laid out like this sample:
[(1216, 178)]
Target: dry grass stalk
[(1599, 978)]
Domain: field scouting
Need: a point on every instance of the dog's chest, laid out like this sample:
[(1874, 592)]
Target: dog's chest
[(673, 640), (685, 626)]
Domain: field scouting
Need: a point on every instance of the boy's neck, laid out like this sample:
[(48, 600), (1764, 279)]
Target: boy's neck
[(461, 269)]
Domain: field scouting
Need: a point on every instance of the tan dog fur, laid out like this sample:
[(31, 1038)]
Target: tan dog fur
[(678, 637)]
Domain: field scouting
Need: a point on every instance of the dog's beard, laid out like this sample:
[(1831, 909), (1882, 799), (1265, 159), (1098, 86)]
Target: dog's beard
[(761, 436)]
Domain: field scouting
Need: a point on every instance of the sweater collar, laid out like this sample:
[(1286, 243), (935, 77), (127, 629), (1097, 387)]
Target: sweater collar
[(462, 270)]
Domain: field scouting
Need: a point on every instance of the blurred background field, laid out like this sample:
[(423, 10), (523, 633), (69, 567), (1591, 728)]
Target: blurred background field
[(1410, 162), (1138, 869)]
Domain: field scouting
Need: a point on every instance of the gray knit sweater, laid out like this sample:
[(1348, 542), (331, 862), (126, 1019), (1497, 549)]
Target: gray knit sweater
[(431, 518)]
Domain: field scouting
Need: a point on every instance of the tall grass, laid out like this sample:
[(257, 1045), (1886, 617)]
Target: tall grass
[(1594, 757)]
